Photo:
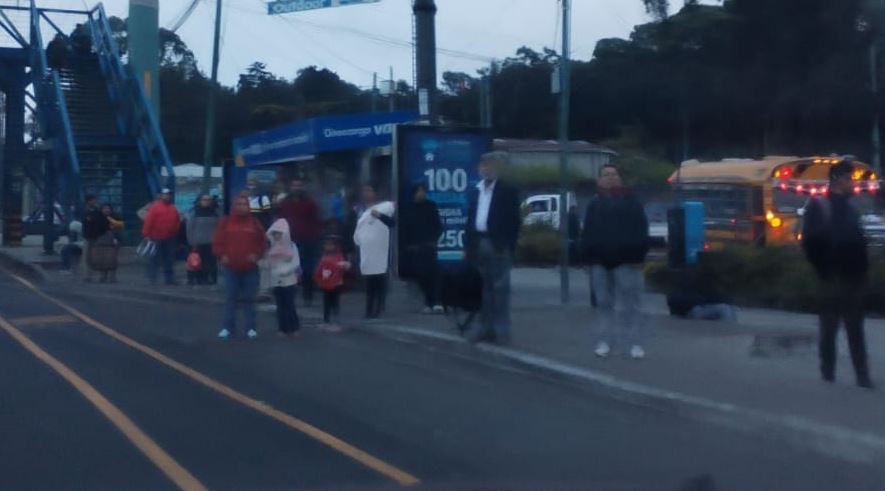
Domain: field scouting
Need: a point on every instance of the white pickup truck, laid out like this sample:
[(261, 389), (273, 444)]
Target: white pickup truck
[(544, 208)]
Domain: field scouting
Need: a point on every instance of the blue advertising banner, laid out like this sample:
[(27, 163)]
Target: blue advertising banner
[(304, 139), (445, 159)]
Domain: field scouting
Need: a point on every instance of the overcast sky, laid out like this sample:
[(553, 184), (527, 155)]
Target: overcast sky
[(356, 41)]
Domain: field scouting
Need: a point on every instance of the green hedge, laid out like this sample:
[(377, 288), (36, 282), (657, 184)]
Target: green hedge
[(538, 245), (773, 277)]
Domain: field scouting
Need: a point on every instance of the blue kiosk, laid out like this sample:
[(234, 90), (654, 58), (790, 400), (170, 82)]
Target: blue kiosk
[(331, 153)]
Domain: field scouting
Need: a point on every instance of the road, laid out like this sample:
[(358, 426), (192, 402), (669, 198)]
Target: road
[(114, 393)]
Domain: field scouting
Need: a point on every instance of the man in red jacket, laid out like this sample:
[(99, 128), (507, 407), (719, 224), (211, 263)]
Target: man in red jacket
[(161, 226), (305, 224), (239, 243)]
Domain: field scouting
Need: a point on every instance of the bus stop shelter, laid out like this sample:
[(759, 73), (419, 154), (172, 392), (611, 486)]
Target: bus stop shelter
[(332, 154)]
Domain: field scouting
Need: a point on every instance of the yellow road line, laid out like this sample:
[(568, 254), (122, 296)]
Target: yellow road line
[(400, 476), (42, 320), (173, 470)]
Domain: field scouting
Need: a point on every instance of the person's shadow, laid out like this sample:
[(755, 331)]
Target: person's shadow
[(704, 482)]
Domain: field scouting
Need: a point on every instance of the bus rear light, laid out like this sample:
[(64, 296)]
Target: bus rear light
[(800, 188), (776, 222)]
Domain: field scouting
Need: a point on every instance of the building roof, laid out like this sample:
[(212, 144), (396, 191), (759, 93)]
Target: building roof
[(575, 146)]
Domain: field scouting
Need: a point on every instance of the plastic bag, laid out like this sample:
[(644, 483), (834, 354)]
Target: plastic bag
[(194, 262), (146, 249)]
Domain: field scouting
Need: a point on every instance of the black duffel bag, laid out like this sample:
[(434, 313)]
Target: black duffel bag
[(461, 292)]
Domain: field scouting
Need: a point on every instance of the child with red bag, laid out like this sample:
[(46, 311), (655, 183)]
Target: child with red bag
[(329, 277)]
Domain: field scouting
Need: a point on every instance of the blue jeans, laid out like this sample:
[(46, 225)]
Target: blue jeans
[(240, 288), (164, 257), (619, 302)]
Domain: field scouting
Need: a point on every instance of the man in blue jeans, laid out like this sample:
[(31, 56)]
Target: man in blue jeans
[(161, 226)]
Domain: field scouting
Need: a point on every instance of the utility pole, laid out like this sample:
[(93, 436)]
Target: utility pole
[(425, 50), (374, 92), (392, 97), (874, 84), (208, 149), (564, 100), (489, 102)]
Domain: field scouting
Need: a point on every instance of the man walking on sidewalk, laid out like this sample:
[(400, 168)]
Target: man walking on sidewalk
[(493, 223), (835, 246), (615, 243), (161, 225), (239, 243)]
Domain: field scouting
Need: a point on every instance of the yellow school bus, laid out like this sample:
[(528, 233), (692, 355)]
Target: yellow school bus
[(760, 201)]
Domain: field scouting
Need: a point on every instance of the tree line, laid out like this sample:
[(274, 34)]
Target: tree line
[(742, 78)]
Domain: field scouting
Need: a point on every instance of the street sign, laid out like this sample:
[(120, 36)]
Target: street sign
[(288, 6)]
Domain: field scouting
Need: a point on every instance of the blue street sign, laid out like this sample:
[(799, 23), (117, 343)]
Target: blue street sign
[(287, 6)]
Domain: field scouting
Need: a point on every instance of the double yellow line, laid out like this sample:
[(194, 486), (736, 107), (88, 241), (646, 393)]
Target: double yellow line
[(174, 471)]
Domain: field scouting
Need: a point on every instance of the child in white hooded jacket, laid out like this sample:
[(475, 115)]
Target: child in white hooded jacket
[(284, 265)]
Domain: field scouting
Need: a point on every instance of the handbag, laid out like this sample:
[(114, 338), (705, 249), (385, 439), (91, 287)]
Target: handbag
[(194, 262), (147, 249)]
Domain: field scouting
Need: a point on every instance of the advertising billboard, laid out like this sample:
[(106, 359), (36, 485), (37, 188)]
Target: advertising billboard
[(445, 159)]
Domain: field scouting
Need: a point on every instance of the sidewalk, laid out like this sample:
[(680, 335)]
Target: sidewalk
[(766, 364)]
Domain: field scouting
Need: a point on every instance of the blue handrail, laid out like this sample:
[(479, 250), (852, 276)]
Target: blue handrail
[(137, 113), (55, 122)]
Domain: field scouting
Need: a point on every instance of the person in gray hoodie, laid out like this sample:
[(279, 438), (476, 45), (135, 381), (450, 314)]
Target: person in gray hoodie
[(201, 223)]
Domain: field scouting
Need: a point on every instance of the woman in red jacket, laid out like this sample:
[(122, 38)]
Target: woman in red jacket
[(239, 243)]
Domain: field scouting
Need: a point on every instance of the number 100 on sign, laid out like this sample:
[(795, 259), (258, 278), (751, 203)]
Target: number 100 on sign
[(444, 180)]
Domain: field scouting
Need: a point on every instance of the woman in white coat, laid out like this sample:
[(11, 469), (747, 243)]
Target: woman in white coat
[(372, 236), (284, 264)]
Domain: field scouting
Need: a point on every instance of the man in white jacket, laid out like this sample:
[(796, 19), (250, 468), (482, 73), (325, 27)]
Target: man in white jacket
[(372, 236)]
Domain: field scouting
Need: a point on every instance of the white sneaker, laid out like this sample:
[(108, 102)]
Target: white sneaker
[(223, 334), (427, 310), (438, 309), (603, 350), (636, 352), (252, 334)]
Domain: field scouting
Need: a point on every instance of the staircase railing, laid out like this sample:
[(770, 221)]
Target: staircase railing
[(53, 117), (132, 104)]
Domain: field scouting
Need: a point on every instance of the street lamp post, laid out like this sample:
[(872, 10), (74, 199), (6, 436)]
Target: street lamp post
[(209, 143), (564, 100)]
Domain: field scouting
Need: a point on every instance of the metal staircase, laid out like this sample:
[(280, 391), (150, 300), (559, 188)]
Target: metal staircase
[(95, 124)]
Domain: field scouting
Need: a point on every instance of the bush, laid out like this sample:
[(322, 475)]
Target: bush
[(773, 277), (538, 245)]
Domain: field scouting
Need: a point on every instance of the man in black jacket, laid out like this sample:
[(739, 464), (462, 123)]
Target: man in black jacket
[(95, 225), (615, 243), (493, 223), (834, 244)]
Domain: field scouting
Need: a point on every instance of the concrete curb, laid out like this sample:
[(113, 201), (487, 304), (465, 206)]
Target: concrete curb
[(31, 270), (832, 440)]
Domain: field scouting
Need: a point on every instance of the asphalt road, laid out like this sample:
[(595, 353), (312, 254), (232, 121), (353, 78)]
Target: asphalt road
[(354, 410)]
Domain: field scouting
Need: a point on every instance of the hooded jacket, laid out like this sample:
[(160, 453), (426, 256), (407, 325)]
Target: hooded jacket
[(282, 259)]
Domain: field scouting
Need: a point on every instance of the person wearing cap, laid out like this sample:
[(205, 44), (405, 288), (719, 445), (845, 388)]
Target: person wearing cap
[(835, 245), (161, 225), (493, 223)]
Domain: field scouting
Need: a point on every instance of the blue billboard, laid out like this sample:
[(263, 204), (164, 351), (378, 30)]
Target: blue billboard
[(304, 139), (445, 159), (288, 6)]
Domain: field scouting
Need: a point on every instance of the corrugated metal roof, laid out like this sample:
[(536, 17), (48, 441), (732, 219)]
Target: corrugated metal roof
[(575, 146)]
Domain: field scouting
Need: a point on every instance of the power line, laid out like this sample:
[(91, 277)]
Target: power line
[(184, 16)]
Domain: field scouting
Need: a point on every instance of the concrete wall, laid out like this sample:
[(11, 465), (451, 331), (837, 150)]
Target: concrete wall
[(584, 164)]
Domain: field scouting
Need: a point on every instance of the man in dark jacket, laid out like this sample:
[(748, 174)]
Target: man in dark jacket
[(493, 223), (420, 228), (305, 224), (95, 225), (834, 244), (615, 243)]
